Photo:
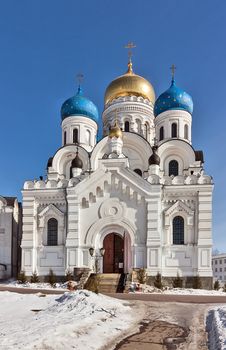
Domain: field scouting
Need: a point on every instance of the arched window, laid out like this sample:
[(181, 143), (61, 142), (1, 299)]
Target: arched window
[(146, 131), (186, 131), (65, 138), (126, 127), (174, 130), (138, 171), (178, 230), (88, 137), (173, 168), (138, 126), (161, 133), (52, 230), (75, 136)]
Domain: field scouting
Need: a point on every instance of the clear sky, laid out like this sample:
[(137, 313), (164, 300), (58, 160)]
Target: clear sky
[(45, 43)]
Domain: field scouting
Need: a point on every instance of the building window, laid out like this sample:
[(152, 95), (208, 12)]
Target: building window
[(220, 277), (215, 269), (220, 269), (138, 126), (178, 230), (174, 130), (126, 127), (215, 262), (161, 133), (138, 171), (52, 228), (220, 261), (186, 131), (75, 136), (225, 261), (173, 168), (146, 130), (88, 136), (65, 138)]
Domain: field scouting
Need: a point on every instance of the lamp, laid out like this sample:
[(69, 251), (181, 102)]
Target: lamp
[(91, 251), (102, 251)]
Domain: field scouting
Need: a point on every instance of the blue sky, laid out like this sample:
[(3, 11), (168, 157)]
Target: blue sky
[(44, 44)]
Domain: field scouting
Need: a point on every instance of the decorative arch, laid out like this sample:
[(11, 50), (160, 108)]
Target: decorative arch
[(97, 232), (51, 212)]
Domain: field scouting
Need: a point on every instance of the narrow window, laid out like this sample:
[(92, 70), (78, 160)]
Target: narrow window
[(88, 137), (75, 136), (186, 131), (52, 228), (138, 126), (178, 230), (138, 171), (65, 138), (126, 126), (173, 168), (174, 130), (146, 131), (161, 133)]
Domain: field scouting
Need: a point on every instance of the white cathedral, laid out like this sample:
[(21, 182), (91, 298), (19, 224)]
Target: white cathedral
[(138, 198)]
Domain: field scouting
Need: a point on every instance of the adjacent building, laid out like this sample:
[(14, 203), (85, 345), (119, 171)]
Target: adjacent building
[(10, 236), (219, 268)]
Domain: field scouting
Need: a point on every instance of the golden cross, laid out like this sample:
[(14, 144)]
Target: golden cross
[(80, 78), (173, 69), (130, 46)]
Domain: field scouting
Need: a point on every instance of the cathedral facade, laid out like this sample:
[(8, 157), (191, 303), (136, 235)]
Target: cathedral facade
[(138, 198)]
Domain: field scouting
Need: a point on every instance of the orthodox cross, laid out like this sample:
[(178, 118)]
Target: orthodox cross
[(173, 69), (80, 78), (130, 46)]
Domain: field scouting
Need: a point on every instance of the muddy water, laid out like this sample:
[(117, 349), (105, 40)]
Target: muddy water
[(156, 335)]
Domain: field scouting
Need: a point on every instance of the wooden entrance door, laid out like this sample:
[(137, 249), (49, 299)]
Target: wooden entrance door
[(114, 253)]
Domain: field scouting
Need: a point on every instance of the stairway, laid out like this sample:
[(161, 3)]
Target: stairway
[(107, 282)]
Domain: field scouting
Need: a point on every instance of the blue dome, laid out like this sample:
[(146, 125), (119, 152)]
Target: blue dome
[(173, 98), (79, 105)]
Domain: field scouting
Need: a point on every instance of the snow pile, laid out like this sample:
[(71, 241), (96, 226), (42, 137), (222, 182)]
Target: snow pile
[(189, 291), (78, 320), (216, 328), (37, 285)]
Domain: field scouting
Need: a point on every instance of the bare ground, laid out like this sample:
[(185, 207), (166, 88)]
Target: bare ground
[(167, 326)]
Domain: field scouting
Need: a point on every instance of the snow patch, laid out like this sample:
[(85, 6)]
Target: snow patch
[(78, 320)]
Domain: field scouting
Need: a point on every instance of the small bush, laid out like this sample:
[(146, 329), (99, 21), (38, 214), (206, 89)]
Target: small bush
[(92, 284), (69, 276), (216, 285), (177, 282), (197, 283), (158, 281), (224, 288), (35, 278), (21, 278), (141, 275), (51, 278)]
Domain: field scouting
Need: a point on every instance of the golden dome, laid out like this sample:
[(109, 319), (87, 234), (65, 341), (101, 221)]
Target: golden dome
[(129, 84), (115, 131)]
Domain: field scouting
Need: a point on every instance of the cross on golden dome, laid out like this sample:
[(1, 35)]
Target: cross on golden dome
[(130, 46)]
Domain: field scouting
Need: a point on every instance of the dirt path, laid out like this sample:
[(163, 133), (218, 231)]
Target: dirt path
[(169, 326)]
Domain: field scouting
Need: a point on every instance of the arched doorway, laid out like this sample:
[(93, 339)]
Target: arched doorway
[(113, 261)]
